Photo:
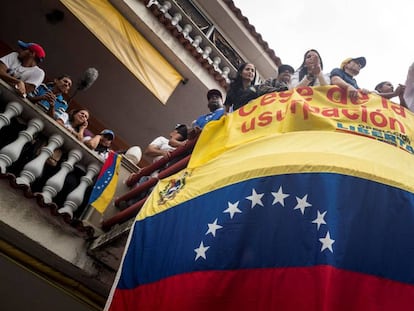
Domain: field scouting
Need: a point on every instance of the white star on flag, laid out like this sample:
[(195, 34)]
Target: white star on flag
[(232, 209), (279, 197), (201, 251), (327, 242), (212, 228), (256, 198), (302, 204), (319, 220)]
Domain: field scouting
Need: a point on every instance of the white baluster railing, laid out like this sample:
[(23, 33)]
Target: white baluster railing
[(55, 183), (11, 152), (12, 109), (75, 198), (34, 168)]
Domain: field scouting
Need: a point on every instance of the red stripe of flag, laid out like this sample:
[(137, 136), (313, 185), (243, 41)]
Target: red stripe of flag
[(288, 289)]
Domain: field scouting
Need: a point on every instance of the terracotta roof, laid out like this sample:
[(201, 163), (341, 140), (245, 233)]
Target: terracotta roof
[(237, 12), (186, 43), (193, 50)]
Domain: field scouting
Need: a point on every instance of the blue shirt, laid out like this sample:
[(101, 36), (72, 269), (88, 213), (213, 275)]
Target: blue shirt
[(60, 104), (344, 76), (204, 119)]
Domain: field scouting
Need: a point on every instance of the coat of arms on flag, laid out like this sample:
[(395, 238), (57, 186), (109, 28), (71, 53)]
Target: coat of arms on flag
[(297, 220)]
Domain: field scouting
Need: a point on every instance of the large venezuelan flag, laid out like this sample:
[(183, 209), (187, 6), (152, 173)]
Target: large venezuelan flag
[(304, 220)]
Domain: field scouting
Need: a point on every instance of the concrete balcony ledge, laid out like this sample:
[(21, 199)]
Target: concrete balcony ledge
[(32, 224), (32, 120), (19, 193)]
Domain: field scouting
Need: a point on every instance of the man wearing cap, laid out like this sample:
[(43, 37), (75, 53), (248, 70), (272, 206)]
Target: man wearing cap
[(215, 105), (279, 84), (101, 143), (344, 76), (20, 69)]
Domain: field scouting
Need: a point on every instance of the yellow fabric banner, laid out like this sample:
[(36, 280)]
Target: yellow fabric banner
[(326, 108), (306, 130), (128, 45), (290, 153)]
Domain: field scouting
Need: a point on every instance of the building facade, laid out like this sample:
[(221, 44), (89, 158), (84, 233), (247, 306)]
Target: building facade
[(48, 259)]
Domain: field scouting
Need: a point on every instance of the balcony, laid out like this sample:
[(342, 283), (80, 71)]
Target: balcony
[(87, 247), (32, 222)]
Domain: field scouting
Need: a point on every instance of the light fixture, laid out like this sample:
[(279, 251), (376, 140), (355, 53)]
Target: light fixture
[(55, 16)]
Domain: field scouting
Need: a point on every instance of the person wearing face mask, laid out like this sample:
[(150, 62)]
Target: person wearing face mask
[(215, 105), (344, 76), (310, 73)]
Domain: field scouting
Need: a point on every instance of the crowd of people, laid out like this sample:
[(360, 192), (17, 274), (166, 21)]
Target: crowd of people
[(244, 86), (21, 70)]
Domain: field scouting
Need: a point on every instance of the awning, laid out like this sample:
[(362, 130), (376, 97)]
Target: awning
[(128, 45)]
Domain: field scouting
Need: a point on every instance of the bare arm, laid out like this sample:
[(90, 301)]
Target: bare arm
[(409, 88), (304, 82), (153, 151), (93, 142), (400, 93), (321, 78), (353, 92), (6, 77), (176, 143), (50, 97), (20, 86)]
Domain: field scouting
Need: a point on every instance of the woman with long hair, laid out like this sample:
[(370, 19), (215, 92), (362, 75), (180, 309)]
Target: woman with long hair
[(241, 89), (77, 122), (310, 73)]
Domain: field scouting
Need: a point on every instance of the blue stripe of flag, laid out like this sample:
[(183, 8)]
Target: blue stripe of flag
[(371, 226)]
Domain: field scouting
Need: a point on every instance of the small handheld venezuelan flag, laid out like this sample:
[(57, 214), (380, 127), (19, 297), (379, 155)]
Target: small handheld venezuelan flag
[(105, 186)]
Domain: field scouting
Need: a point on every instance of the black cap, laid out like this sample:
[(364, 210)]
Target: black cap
[(212, 92), (283, 68), (182, 130), (107, 132)]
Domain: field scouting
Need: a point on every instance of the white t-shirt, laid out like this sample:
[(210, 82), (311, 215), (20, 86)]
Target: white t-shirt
[(162, 144), (32, 75)]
